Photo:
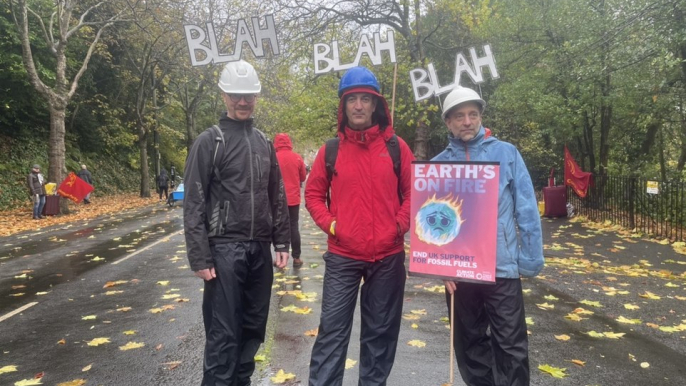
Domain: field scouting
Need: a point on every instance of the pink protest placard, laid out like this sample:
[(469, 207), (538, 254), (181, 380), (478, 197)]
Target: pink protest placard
[(454, 220)]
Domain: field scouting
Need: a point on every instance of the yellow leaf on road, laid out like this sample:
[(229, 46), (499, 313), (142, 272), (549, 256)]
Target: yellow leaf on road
[(529, 320), (163, 282), (546, 306), (411, 317), (303, 311), (614, 335), (260, 358), (591, 303), (416, 343), (552, 298), (649, 295), (419, 312), (313, 332), (578, 362), (110, 293), (436, 288), (8, 369), (563, 337), (170, 296), (89, 317), (671, 285), (124, 309), (61, 341), (87, 368), (556, 372), (75, 382), (282, 377), (645, 365), (129, 332), (98, 341), (349, 363), (131, 346), (28, 382), (595, 334), (414, 325), (631, 306), (624, 320), (97, 258), (114, 283)]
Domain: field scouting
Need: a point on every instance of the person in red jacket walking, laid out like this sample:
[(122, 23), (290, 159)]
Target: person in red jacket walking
[(366, 221), (293, 174)]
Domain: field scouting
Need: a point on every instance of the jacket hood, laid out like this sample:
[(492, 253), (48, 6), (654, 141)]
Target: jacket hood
[(380, 117), (283, 141)]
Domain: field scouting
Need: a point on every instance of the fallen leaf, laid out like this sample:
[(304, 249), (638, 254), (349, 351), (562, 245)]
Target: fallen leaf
[(131, 346), (436, 288), (303, 311), (110, 293), (282, 377), (8, 369), (61, 341), (89, 317), (159, 347), (546, 306), (313, 332), (624, 320), (591, 303), (163, 282), (87, 368), (172, 365), (414, 325), (563, 337), (170, 296), (529, 320), (75, 382), (124, 309), (645, 365), (631, 306), (260, 358), (98, 341), (129, 332), (552, 298), (614, 335), (578, 362), (182, 300), (416, 343), (114, 283), (349, 363), (556, 372), (419, 312), (649, 295), (97, 258), (595, 334), (411, 317), (28, 382)]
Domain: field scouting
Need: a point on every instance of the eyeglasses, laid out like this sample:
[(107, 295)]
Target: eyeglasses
[(365, 99), (235, 98), (460, 117)]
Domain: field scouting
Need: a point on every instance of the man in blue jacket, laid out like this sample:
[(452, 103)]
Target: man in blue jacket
[(501, 358)]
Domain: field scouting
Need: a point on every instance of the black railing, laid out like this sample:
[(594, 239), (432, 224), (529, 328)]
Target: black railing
[(627, 201)]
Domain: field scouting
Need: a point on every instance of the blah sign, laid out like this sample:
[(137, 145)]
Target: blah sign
[(204, 41), (425, 83), (329, 56)]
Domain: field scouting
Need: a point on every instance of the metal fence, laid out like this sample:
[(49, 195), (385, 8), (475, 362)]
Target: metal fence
[(627, 201)]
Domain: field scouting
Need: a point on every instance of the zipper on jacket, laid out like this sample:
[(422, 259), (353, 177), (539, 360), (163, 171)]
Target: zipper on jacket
[(466, 151), (252, 183)]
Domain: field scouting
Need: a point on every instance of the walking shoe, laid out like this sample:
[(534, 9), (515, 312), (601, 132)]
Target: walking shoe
[(297, 262)]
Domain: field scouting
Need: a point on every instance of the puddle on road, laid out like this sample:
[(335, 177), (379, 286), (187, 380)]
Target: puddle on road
[(70, 266)]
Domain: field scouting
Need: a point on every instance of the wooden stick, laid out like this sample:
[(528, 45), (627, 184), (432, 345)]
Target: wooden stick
[(452, 336), (395, 81)]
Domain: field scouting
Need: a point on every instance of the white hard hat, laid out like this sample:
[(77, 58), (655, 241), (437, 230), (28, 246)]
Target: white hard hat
[(461, 95), (239, 78)]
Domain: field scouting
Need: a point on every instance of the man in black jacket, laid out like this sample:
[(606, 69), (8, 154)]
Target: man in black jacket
[(234, 206), (85, 175)]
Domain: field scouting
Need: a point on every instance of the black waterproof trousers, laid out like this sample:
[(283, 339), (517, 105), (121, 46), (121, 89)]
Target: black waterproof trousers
[(381, 306), (294, 216), (500, 358), (235, 307)]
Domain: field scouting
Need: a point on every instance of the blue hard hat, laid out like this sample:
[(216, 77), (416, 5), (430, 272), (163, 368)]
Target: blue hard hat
[(358, 77)]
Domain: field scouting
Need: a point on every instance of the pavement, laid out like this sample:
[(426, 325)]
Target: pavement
[(65, 272)]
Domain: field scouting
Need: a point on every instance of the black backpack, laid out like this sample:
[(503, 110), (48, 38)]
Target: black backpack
[(331, 153)]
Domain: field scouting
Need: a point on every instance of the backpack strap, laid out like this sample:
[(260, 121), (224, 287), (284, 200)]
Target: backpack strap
[(393, 147), (330, 154), (218, 139)]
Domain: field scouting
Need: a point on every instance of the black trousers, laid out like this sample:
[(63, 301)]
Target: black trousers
[(498, 359), (381, 306), (165, 190), (235, 307), (294, 214)]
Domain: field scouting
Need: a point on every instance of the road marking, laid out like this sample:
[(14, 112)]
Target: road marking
[(18, 310), (146, 248)]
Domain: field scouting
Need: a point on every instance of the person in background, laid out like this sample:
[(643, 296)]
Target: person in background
[(163, 184), (501, 357), (85, 175), (36, 184), (294, 174), (172, 176)]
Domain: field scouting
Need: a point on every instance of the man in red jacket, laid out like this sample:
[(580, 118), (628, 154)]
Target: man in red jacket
[(293, 174), (365, 220)]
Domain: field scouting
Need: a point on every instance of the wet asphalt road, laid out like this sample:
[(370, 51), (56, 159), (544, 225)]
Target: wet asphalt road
[(142, 248)]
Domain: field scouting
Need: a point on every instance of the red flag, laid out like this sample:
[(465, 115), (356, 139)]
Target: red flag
[(575, 177), (74, 188)]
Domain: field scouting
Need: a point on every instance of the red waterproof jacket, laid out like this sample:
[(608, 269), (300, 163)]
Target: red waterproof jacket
[(292, 167), (370, 221)]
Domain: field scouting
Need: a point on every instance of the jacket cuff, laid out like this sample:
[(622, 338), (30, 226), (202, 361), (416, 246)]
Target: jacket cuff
[(281, 247)]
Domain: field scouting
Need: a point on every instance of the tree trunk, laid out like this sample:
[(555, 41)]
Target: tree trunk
[(190, 129), (145, 169), (421, 146), (57, 169)]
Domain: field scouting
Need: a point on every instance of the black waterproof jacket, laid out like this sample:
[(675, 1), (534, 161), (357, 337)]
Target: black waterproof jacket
[(245, 202)]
